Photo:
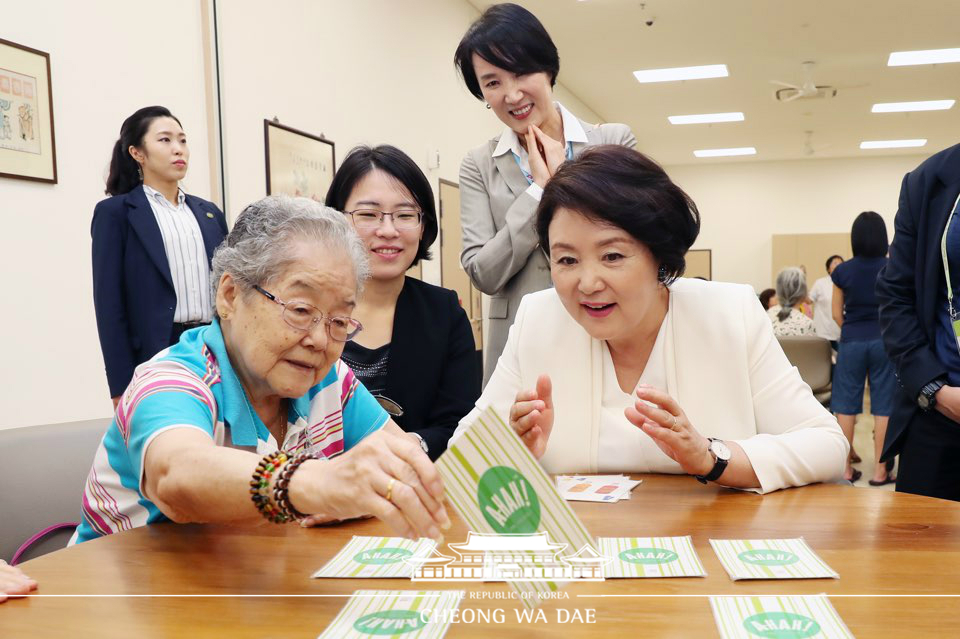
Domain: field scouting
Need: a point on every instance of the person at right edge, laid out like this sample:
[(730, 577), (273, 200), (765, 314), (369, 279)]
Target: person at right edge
[(918, 318), (508, 60)]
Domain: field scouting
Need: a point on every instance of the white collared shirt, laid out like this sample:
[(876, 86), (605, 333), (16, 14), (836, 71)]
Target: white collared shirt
[(510, 143), (186, 254)]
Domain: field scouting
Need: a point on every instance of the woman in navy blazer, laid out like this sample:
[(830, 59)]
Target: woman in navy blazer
[(416, 353), (918, 332), (134, 294)]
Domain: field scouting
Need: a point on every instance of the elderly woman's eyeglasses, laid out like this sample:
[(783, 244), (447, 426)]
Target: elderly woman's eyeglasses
[(368, 219), (304, 317)]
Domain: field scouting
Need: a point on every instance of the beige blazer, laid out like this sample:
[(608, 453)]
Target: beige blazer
[(500, 249), (724, 367)]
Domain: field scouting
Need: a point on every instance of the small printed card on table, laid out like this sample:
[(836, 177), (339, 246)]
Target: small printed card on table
[(600, 488), (770, 559), (392, 613), (793, 617), (650, 557), (376, 557), (499, 488)]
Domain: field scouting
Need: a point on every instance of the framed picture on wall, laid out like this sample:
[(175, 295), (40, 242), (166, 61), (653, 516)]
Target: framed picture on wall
[(298, 164), (699, 264), (27, 148)]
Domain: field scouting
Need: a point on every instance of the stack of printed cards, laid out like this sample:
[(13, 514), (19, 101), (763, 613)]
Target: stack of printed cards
[(770, 559), (500, 489), (794, 616), (422, 614), (602, 488), (376, 558), (650, 557)]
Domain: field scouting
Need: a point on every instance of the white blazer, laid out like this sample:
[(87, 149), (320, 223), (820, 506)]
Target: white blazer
[(723, 366)]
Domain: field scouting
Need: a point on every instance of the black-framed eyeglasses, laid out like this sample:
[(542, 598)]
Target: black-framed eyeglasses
[(372, 218), (304, 317)]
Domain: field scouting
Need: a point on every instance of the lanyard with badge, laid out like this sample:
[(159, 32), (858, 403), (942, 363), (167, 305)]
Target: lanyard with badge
[(527, 174), (954, 316)]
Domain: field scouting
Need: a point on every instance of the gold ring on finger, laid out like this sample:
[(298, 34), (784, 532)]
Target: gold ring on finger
[(389, 495)]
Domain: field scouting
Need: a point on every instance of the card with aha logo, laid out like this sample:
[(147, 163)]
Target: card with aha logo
[(778, 617), (650, 557), (376, 557), (770, 559), (499, 488), (395, 613)]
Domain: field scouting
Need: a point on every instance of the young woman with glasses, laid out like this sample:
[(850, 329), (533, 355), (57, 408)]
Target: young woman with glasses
[(416, 353)]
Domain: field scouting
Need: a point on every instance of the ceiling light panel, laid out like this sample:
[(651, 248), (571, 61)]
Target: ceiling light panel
[(891, 144), (717, 153), (682, 73), (930, 56), (901, 107), (706, 118)]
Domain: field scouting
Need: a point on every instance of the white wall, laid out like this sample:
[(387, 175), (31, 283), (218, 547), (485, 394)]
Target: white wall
[(743, 204), (108, 58)]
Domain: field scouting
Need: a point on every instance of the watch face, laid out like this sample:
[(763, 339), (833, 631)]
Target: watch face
[(923, 401), (720, 449)]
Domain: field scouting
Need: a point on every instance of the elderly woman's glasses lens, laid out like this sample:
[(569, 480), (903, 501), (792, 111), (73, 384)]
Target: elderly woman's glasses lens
[(372, 218), (304, 317)]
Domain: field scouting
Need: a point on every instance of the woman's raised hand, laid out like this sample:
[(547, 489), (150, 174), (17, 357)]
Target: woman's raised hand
[(531, 416), (666, 423), (546, 155), (386, 475)]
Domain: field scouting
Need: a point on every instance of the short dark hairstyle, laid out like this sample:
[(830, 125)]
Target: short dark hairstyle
[(868, 237), (394, 162), (831, 259), (123, 176), (614, 185), (510, 37), (765, 296)]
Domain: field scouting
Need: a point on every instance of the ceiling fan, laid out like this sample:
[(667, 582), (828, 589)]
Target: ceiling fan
[(808, 90)]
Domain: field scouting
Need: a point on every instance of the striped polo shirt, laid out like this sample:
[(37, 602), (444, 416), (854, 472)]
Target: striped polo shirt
[(192, 385)]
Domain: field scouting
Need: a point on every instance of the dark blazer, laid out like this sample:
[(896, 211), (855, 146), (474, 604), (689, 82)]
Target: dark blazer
[(433, 371), (910, 285), (133, 293)]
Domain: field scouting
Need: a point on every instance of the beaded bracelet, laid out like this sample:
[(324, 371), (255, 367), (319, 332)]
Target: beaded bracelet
[(281, 487), (260, 487)]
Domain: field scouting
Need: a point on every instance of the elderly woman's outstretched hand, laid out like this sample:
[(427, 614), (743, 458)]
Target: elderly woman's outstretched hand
[(386, 475), (659, 416), (13, 582), (531, 416)]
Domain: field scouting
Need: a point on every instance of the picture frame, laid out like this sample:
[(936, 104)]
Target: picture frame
[(699, 264), (298, 164), (28, 149)]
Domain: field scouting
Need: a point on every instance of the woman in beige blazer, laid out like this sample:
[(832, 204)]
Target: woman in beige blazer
[(508, 60), (625, 368)]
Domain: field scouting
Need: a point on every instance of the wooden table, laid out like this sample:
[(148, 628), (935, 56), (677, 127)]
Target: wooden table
[(898, 557)]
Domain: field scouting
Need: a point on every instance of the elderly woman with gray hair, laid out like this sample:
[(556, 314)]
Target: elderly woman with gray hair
[(791, 292), (245, 419)]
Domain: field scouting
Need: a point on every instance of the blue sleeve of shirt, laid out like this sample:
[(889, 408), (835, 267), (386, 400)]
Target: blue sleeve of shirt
[(839, 276), (362, 416), (161, 409)]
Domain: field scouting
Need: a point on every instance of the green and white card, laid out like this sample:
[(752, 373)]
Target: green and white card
[(498, 487), (778, 617), (770, 559), (395, 613), (376, 557), (650, 557)]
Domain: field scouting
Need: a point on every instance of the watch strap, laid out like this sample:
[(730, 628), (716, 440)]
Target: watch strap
[(719, 465)]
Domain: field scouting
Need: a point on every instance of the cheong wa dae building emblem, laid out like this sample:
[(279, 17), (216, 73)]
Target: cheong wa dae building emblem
[(509, 557)]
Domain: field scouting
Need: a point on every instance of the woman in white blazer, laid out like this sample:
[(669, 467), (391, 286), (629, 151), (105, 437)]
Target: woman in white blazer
[(508, 60), (624, 367)]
